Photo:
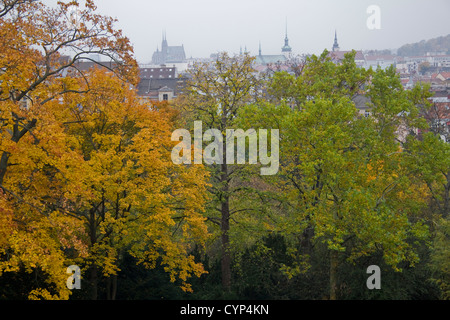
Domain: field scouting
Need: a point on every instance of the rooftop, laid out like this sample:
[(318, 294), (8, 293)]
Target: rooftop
[(268, 59), (339, 55)]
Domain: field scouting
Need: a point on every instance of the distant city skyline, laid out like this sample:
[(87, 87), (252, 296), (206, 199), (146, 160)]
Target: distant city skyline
[(209, 26)]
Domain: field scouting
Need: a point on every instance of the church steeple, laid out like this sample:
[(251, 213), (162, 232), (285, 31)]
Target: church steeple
[(286, 40), (335, 44), (164, 42), (260, 48), (286, 49)]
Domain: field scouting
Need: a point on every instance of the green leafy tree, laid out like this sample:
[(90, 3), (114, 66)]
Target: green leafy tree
[(342, 173), (429, 159), (214, 95)]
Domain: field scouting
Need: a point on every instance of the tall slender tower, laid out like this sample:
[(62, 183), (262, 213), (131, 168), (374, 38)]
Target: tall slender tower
[(286, 49), (335, 44), (164, 43)]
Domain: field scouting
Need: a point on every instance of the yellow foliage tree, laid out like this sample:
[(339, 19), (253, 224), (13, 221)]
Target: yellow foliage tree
[(85, 169), (36, 156), (140, 201)]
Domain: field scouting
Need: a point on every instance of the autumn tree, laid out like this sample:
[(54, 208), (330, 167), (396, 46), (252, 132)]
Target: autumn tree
[(39, 46), (83, 162), (139, 201), (38, 49)]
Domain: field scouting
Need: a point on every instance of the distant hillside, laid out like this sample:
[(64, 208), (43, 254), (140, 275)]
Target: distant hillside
[(440, 44)]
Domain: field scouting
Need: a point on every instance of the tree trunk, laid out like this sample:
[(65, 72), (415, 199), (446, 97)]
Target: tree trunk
[(226, 257), (111, 287), (333, 274), (94, 270), (225, 228), (3, 166), (16, 136), (306, 244), (94, 281), (114, 287)]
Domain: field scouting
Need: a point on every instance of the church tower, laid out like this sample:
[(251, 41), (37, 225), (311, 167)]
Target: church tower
[(168, 54), (286, 49), (164, 43), (335, 44)]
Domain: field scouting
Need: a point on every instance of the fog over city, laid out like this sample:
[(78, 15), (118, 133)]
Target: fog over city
[(209, 26)]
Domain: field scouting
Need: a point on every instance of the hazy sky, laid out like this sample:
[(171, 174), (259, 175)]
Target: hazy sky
[(209, 26)]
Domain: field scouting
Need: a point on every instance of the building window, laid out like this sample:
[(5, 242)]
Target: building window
[(165, 97), (151, 70), (170, 76), (367, 114)]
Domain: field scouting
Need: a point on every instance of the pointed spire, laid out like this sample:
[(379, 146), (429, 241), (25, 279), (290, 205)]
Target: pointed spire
[(260, 47), (286, 48), (286, 31), (164, 41), (335, 44)]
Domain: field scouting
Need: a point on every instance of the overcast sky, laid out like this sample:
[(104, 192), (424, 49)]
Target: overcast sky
[(209, 26)]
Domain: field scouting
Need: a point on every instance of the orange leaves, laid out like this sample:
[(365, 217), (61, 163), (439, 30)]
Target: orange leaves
[(35, 44), (95, 176), (141, 201), (85, 166)]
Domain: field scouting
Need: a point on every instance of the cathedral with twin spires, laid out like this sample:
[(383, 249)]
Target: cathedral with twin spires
[(168, 54)]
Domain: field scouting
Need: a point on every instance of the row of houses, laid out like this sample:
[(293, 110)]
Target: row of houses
[(164, 83), (166, 80), (160, 83)]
